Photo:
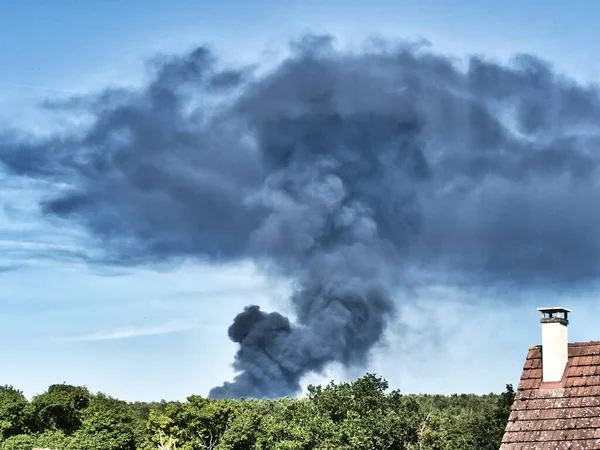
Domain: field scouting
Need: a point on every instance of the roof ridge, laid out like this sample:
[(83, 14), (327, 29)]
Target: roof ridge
[(577, 344), (572, 344)]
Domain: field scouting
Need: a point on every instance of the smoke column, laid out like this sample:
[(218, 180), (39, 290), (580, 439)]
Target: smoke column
[(344, 171)]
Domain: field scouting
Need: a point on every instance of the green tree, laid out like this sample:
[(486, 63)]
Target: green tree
[(361, 415), (241, 434), (286, 424), (52, 439), (107, 424), (61, 407), (18, 442), (15, 412)]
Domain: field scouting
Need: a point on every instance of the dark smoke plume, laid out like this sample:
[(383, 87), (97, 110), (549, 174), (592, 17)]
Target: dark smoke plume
[(345, 171)]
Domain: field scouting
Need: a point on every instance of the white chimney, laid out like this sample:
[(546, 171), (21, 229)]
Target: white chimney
[(555, 343)]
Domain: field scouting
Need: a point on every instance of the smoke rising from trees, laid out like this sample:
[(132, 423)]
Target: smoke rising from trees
[(341, 170)]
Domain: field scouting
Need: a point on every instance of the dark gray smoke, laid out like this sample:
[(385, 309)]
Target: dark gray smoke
[(345, 171)]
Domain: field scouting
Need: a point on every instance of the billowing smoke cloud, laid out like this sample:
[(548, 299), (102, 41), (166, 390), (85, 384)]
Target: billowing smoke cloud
[(345, 171)]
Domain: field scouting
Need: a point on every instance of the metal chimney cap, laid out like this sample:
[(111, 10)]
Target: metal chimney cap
[(556, 314), (554, 309)]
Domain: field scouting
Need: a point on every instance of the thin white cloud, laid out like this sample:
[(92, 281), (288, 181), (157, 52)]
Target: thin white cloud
[(129, 332), (37, 88), (28, 245)]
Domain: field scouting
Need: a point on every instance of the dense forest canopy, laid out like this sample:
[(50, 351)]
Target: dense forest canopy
[(362, 414)]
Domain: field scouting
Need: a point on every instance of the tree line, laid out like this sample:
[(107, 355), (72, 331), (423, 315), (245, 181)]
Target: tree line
[(357, 415)]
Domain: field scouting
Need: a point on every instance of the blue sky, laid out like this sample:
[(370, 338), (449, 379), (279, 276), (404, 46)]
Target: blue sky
[(139, 334)]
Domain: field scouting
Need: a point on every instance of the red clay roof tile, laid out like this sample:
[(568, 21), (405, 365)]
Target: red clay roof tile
[(557, 416)]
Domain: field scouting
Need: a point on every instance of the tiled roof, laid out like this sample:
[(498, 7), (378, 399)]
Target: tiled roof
[(562, 415)]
